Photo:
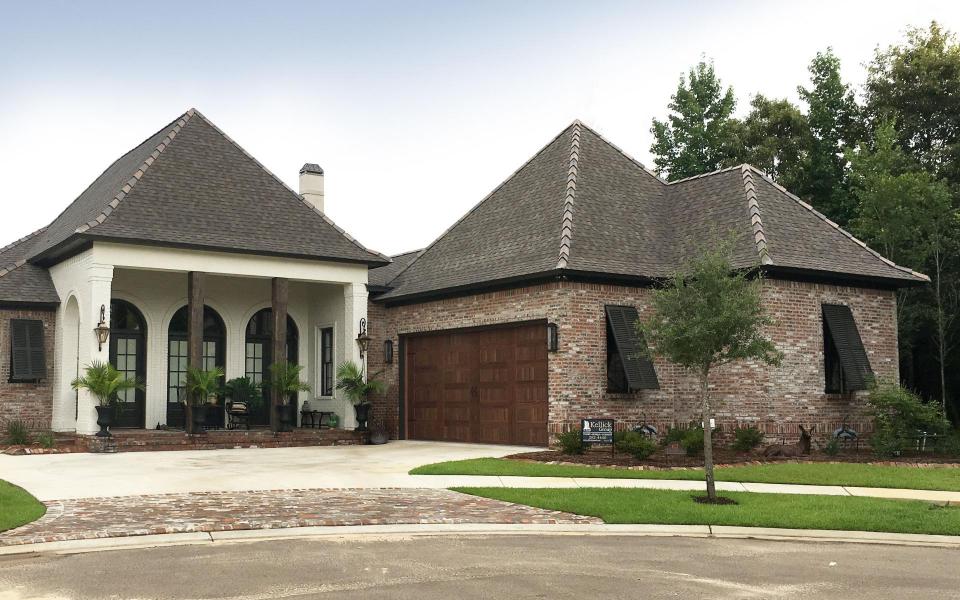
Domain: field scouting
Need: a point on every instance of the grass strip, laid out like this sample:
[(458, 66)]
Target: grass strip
[(852, 474), (622, 505), (17, 507)]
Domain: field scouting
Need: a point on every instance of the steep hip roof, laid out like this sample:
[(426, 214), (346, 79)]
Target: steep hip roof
[(581, 206), (189, 185)]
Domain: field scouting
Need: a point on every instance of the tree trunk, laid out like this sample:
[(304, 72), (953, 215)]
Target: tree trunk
[(941, 333), (707, 437)]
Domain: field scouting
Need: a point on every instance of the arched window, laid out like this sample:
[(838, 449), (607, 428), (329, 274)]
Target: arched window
[(258, 355), (128, 353), (213, 355)]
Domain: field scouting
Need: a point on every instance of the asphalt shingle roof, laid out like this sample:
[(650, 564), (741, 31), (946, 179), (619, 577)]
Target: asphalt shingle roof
[(186, 185), (581, 205), (381, 276)]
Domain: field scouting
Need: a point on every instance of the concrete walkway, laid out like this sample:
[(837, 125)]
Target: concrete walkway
[(75, 476), (431, 481)]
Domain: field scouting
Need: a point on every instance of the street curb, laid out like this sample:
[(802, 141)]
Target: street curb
[(374, 532)]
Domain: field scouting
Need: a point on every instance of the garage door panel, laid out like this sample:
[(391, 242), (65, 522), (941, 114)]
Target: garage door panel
[(486, 385)]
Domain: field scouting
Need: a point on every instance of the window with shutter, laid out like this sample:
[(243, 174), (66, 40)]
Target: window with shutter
[(628, 368), (27, 352), (846, 366)]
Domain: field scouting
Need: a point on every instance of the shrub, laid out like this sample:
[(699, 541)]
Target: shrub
[(635, 444), (569, 442), (18, 433), (46, 439), (899, 415), (746, 439), (832, 448), (692, 441), (674, 434), (948, 445)]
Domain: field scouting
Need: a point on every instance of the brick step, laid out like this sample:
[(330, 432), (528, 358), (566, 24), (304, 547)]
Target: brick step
[(134, 441)]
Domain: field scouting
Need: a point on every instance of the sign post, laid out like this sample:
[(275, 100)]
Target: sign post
[(597, 431)]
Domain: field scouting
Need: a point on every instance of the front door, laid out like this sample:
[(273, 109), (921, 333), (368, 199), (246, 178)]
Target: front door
[(128, 353)]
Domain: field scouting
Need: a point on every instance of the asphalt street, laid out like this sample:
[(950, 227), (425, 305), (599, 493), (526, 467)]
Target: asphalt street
[(490, 566)]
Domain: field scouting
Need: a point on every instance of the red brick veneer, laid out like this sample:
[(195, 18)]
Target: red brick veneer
[(30, 402), (775, 399)]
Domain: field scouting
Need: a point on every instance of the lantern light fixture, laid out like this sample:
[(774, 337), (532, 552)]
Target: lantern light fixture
[(102, 330), (363, 340), (388, 352), (553, 337)]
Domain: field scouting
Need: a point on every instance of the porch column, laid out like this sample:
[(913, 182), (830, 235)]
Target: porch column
[(97, 288), (280, 288), (354, 309), (195, 300)]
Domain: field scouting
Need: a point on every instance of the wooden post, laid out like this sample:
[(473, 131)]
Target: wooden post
[(279, 354), (195, 301)]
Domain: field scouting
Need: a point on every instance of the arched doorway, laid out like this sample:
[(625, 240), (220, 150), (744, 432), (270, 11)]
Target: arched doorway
[(213, 355), (258, 355), (128, 353)]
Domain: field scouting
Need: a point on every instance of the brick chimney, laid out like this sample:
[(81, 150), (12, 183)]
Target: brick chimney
[(311, 184)]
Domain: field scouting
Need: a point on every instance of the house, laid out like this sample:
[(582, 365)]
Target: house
[(191, 252), (510, 327), (517, 322)]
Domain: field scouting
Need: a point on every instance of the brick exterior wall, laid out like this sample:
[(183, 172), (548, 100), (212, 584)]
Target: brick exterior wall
[(776, 399), (29, 402)]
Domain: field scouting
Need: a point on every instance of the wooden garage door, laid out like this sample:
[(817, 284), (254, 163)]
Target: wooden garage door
[(484, 386)]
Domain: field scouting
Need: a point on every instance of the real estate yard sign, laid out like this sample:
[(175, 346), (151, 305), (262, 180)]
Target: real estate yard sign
[(597, 431)]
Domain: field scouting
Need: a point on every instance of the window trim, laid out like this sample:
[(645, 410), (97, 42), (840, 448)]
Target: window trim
[(34, 373), (333, 361)]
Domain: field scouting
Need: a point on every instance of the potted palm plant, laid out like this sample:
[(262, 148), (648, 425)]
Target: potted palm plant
[(285, 380), (202, 387), (350, 379), (104, 381)]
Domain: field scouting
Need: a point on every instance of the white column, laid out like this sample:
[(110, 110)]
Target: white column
[(354, 309), (97, 288)]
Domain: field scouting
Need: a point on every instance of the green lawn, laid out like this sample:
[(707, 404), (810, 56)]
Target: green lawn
[(851, 474), (17, 507), (622, 505)]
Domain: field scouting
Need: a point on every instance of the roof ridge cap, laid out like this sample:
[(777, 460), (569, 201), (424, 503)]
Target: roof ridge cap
[(138, 174), (566, 224), (827, 220), (709, 173), (474, 208), (621, 151), (753, 211), (296, 194)]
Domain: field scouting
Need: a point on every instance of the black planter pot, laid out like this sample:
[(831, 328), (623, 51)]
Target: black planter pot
[(362, 412), (197, 418), (286, 417), (104, 420), (378, 437)]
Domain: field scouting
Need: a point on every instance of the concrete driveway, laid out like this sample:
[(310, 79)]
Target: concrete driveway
[(69, 476)]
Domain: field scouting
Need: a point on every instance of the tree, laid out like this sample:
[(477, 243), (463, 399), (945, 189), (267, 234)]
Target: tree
[(705, 317), (776, 138), (835, 123), (917, 83), (907, 214), (699, 134)]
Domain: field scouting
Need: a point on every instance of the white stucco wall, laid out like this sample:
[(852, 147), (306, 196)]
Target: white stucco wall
[(237, 286)]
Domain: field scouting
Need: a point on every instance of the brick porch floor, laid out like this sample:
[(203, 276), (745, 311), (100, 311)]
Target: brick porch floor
[(91, 518)]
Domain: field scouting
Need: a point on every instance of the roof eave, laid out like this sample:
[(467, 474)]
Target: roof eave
[(80, 241)]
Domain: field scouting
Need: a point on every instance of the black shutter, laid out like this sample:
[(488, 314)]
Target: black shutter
[(632, 348), (27, 356), (857, 374)]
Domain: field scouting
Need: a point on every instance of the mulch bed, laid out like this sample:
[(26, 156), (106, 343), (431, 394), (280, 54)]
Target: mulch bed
[(721, 457)]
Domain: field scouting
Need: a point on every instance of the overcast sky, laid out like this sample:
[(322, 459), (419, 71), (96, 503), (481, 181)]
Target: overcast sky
[(415, 110)]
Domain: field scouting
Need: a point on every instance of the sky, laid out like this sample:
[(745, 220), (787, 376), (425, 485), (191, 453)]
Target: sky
[(415, 110)]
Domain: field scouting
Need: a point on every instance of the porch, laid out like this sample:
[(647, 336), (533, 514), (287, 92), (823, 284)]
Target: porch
[(240, 313)]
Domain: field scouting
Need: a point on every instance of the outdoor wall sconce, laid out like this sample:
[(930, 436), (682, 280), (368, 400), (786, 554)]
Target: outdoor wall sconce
[(363, 340), (102, 330), (553, 337), (388, 352)]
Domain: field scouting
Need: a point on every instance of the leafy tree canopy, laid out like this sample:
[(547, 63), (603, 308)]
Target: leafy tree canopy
[(699, 134)]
